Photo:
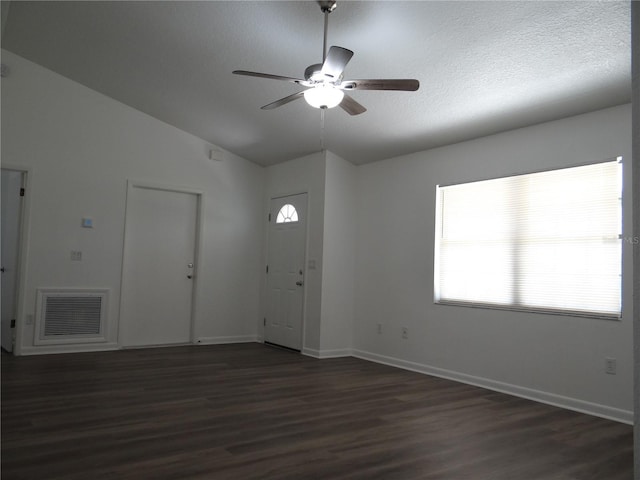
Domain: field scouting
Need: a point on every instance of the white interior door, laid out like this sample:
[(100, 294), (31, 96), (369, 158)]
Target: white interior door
[(11, 202), (158, 267), (286, 268)]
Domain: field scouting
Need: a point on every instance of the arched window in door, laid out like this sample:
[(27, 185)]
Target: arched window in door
[(287, 214)]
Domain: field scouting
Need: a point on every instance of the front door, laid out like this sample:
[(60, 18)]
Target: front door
[(285, 271), (158, 267)]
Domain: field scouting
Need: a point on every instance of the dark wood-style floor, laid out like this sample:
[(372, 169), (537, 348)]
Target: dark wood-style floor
[(254, 412)]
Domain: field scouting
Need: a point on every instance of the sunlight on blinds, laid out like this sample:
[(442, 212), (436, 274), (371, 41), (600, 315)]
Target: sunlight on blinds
[(543, 241)]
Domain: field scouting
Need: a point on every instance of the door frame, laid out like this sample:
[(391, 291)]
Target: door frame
[(197, 261), (306, 262), (23, 252)]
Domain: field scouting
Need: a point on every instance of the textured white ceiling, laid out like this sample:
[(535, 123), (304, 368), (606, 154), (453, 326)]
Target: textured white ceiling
[(483, 67)]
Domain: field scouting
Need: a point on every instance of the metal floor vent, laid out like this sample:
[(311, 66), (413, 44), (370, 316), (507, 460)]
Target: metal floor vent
[(70, 316)]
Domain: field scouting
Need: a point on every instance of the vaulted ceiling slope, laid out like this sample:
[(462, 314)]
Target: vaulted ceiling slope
[(483, 67)]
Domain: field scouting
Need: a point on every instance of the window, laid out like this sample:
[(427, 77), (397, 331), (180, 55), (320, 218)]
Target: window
[(287, 214), (547, 241)]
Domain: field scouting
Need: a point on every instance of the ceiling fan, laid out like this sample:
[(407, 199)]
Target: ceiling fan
[(324, 81)]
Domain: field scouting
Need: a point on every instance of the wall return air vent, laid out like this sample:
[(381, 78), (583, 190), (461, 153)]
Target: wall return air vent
[(69, 316)]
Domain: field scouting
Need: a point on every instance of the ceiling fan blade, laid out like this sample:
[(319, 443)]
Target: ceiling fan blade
[(404, 84), (350, 106), (283, 101), (299, 81), (336, 61)]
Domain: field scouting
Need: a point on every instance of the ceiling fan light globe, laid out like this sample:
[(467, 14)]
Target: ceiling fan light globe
[(323, 96)]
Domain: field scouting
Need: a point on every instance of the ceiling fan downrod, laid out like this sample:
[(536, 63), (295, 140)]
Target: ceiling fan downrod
[(326, 7)]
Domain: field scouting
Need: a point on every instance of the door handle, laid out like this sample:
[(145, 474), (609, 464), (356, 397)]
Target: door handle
[(190, 266), (300, 283)]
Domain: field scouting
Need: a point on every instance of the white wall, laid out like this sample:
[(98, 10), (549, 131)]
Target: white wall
[(81, 148), (338, 269), (306, 174), (557, 359)]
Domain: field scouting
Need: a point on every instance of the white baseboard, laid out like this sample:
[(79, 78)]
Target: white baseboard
[(229, 339), (155, 345), (105, 347), (342, 352), (598, 410), (77, 348)]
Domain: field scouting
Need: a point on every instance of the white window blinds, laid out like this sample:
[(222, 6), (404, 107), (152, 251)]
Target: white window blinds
[(546, 241)]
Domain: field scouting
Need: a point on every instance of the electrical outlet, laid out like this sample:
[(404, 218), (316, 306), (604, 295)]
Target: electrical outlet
[(76, 256), (29, 319), (610, 366), (379, 328), (405, 333)]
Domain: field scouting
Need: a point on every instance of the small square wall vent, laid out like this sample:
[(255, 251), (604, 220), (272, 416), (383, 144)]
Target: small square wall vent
[(67, 316)]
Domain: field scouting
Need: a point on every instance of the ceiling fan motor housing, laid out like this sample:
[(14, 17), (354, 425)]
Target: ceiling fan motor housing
[(314, 73), (327, 6)]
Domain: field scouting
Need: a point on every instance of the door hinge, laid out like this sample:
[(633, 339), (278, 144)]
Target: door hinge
[(264, 322), (267, 268), (22, 192), (13, 324), (269, 217)]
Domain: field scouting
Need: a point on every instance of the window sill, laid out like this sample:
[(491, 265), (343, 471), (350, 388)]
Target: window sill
[(543, 311)]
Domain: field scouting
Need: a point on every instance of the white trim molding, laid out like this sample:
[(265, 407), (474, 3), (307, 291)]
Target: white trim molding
[(23, 248), (311, 352), (577, 405), (71, 348), (224, 340)]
